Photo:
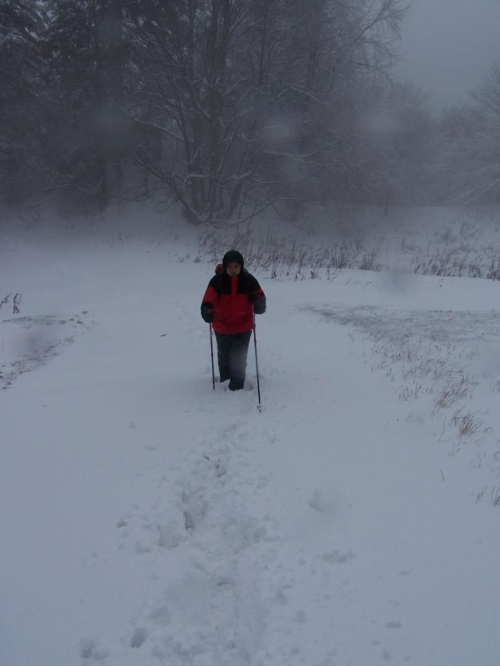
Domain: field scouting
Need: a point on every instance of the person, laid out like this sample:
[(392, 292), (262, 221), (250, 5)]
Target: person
[(231, 299)]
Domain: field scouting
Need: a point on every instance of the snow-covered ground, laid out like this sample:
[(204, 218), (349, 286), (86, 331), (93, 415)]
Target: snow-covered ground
[(147, 519)]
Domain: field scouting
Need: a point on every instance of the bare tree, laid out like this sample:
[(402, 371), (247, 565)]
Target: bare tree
[(252, 101), (224, 106), (472, 139), (399, 134), (21, 22)]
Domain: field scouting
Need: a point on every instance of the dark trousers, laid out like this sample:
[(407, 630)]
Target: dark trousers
[(232, 353)]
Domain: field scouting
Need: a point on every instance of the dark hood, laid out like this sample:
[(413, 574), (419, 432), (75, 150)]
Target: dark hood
[(233, 256)]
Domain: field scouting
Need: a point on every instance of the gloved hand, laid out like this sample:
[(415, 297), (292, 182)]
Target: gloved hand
[(258, 302), (207, 313)]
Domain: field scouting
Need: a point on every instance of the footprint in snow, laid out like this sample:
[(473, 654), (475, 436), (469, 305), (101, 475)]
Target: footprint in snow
[(139, 637), (92, 650)]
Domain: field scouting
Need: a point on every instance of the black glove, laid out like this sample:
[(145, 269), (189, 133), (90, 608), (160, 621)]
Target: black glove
[(258, 302), (259, 306), (207, 313)]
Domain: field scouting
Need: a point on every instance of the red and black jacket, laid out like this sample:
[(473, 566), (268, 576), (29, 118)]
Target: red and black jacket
[(233, 302)]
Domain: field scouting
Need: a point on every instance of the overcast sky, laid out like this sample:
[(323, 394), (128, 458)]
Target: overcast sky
[(448, 46)]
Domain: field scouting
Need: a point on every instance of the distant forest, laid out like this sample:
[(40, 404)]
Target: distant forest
[(229, 107)]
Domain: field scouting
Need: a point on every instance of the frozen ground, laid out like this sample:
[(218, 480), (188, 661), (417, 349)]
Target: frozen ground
[(147, 519)]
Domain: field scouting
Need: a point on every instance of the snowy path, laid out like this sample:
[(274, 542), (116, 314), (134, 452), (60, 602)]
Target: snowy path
[(173, 524)]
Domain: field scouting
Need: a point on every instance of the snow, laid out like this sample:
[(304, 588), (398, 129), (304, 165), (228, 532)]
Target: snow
[(148, 519)]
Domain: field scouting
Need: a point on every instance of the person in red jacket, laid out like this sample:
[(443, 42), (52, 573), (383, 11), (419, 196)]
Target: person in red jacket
[(232, 298)]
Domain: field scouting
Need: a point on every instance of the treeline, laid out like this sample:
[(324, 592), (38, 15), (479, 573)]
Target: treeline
[(227, 107)]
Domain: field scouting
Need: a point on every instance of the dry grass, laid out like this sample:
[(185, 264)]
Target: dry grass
[(452, 393), (467, 424), (450, 252), (288, 258), (12, 300)]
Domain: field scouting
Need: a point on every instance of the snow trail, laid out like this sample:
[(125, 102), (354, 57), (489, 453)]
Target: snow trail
[(177, 524)]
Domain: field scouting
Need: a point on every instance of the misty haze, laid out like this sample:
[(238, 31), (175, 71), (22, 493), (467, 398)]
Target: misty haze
[(229, 108), (183, 483)]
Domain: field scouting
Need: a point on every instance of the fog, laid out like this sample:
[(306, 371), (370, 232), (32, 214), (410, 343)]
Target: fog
[(274, 105), (447, 46)]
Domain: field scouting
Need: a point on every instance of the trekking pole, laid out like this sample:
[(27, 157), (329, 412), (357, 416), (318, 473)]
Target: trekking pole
[(212, 355), (259, 406)]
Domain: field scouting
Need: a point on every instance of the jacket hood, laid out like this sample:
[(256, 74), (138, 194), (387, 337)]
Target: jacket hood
[(233, 256)]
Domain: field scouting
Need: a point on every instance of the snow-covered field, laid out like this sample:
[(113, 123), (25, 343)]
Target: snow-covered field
[(147, 519)]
